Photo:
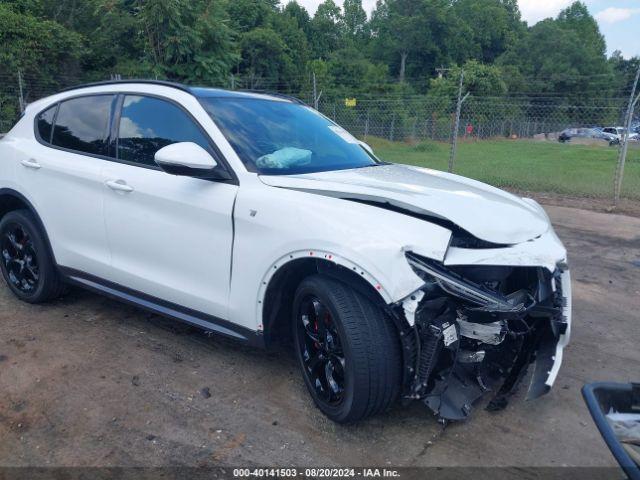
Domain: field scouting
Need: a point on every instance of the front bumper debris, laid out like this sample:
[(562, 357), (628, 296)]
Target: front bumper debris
[(474, 331)]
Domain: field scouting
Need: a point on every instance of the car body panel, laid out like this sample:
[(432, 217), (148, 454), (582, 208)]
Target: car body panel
[(487, 212), (545, 251), (62, 188), (564, 338), (274, 224), (171, 237)]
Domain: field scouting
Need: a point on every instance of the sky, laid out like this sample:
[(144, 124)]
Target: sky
[(619, 20)]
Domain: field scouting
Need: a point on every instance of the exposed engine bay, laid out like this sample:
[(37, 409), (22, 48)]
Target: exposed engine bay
[(474, 330)]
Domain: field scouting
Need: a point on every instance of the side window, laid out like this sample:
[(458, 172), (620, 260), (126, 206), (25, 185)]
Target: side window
[(45, 123), (147, 124), (83, 124)]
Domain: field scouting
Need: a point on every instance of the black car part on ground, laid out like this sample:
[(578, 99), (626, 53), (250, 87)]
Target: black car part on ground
[(476, 330), (603, 397)]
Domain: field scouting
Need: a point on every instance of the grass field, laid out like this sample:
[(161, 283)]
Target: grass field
[(535, 166)]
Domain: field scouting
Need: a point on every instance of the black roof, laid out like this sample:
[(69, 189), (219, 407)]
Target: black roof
[(195, 91)]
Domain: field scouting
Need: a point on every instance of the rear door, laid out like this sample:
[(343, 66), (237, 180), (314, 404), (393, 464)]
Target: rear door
[(170, 236), (62, 173)]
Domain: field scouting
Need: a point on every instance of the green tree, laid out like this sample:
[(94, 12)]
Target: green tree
[(491, 27), (412, 35), (41, 49), (555, 59), (264, 57), (355, 20), (326, 32), (245, 15), (296, 51), (479, 80), (294, 10), (624, 71), (351, 73), (46, 54), (187, 40), (117, 46), (578, 19)]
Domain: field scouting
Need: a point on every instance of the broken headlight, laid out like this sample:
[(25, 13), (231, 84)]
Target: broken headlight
[(450, 282)]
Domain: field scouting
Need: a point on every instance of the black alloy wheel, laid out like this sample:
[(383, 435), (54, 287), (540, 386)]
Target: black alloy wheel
[(19, 258), (347, 348), (25, 259), (321, 348)]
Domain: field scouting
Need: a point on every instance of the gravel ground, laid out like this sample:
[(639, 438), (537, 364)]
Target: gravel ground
[(87, 381)]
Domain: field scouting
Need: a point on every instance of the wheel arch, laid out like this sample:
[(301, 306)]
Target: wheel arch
[(11, 200), (278, 287)]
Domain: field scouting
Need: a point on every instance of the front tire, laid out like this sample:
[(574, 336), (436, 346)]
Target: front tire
[(348, 350), (25, 261)]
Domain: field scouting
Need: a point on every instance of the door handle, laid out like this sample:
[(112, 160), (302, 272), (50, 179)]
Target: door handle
[(119, 185), (31, 163)]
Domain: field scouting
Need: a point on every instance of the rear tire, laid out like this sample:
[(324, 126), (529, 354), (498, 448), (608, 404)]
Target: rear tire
[(25, 260), (348, 350)]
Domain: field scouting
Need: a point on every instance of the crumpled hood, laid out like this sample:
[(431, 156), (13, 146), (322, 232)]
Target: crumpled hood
[(486, 212)]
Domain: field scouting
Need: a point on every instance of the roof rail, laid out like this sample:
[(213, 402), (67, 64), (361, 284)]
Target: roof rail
[(163, 83), (275, 94)]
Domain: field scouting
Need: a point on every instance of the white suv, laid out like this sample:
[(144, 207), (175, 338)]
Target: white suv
[(256, 217)]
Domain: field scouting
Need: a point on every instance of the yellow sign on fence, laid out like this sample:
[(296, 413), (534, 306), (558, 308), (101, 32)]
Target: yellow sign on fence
[(350, 102)]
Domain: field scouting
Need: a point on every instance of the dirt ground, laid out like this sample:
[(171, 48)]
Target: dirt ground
[(88, 381), (627, 206)]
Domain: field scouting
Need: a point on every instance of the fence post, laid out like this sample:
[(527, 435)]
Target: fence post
[(393, 123), (21, 97), (366, 125), (456, 126), (625, 142), (316, 95)]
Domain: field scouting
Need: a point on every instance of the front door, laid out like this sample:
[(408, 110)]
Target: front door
[(170, 236)]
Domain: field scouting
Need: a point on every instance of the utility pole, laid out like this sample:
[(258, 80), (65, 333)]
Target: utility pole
[(625, 141), (456, 127), (21, 98)]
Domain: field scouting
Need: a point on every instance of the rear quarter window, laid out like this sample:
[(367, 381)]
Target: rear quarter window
[(44, 123)]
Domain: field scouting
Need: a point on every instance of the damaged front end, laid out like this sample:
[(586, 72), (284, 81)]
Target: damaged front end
[(471, 330)]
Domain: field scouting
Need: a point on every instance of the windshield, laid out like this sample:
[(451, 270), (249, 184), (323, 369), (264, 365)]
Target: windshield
[(276, 137)]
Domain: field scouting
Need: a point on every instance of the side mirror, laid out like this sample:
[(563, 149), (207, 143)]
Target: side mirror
[(187, 159)]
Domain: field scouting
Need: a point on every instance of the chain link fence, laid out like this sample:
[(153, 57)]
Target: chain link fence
[(512, 143), (509, 142), (425, 118)]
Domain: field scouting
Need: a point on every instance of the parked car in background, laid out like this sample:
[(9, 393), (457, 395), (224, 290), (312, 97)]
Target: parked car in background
[(618, 132), (604, 135), (570, 133)]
